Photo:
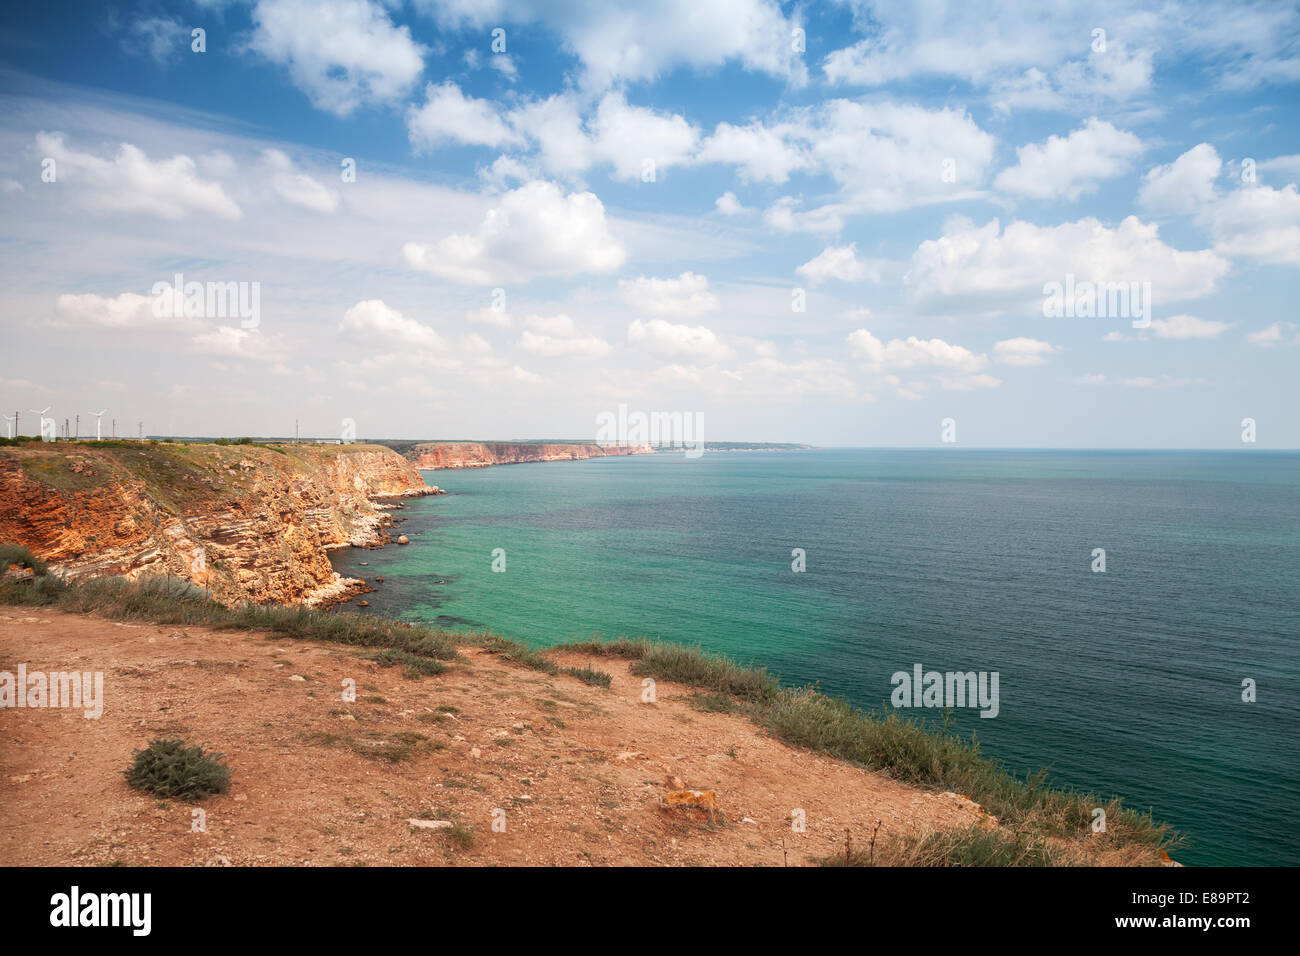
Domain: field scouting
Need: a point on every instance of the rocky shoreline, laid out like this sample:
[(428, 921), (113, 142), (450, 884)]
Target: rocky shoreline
[(245, 523)]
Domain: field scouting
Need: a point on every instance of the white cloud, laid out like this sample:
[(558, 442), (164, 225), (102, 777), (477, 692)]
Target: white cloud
[(1258, 222), (555, 125), (131, 182), (298, 188), (1022, 351), (343, 54), (448, 115), (985, 264), (125, 311), (628, 137), (1273, 335), (646, 40), (839, 262), (909, 353), (162, 39), (553, 346), (727, 204), (785, 216), (1188, 327), (1071, 165), (762, 153), (670, 341), (233, 343), (687, 295), (535, 230), (1184, 186), (373, 321)]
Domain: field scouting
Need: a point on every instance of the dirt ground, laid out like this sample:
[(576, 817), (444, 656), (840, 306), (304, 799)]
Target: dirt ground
[(574, 772)]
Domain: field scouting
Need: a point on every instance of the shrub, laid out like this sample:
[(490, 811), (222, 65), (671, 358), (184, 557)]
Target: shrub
[(169, 767)]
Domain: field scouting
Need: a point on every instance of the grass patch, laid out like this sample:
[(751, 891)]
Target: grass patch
[(413, 665), (927, 757), (162, 600), (976, 845), (588, 676), (714, 703), (516, 651), (169, 767)]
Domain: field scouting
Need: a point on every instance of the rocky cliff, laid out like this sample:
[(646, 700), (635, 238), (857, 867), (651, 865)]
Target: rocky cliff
[(465, 454), (246, 522)]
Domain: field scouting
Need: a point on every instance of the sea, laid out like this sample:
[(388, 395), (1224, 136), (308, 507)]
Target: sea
[(1140, 608)]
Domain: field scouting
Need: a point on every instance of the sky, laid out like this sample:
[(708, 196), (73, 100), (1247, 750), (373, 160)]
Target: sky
[(839, 223)]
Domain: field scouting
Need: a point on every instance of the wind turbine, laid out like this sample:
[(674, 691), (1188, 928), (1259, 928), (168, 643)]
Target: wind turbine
[(99, 421), (41, 414), (9, 423)]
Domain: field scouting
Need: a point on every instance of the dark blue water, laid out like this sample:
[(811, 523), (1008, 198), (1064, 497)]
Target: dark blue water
[(1126, 682)]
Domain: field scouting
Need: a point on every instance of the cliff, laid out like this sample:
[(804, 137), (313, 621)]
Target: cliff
[(248, 523), (465, 454)]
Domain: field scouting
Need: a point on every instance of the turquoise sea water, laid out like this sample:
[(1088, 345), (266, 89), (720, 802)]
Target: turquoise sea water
[(1126, 682)]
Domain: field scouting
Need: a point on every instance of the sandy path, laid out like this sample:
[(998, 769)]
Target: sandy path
[(577, 770)]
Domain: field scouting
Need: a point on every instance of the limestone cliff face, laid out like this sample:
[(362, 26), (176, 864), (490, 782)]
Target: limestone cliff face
[(432, 455), (249, 523)]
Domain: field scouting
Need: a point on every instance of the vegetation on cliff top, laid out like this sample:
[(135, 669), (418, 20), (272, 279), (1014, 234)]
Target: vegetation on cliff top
[(1039, 824)]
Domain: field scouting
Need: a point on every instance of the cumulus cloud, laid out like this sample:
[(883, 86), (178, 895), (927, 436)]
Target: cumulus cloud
[(687, 295), (1188, 327), (838, 262), (343, 54), (761, 153), (535, 230), (132, 182), (556, 337), (643, 41), (1257, 222), (228, 342), (1184, 186), (1022, 351), (913, 352), (126, 311), (727, 204), (373, 321), (667, 340), (1071, 165), (988, 266), (448, 115)]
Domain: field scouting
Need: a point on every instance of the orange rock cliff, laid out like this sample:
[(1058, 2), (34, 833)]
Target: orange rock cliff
[(246, 522), (472, 454)]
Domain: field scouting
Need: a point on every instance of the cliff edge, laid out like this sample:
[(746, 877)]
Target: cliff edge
[(244, 522)]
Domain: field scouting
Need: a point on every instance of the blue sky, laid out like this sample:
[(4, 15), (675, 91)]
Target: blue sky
[(627, 204)]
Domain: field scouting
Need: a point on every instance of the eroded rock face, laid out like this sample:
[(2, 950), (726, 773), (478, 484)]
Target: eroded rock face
[(482, 454), (247, 523)]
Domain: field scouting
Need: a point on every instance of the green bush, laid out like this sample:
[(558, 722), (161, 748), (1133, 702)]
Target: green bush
[(169, 767)]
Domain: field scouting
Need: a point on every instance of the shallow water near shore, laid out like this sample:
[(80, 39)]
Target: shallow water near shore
[(1127, 681)]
